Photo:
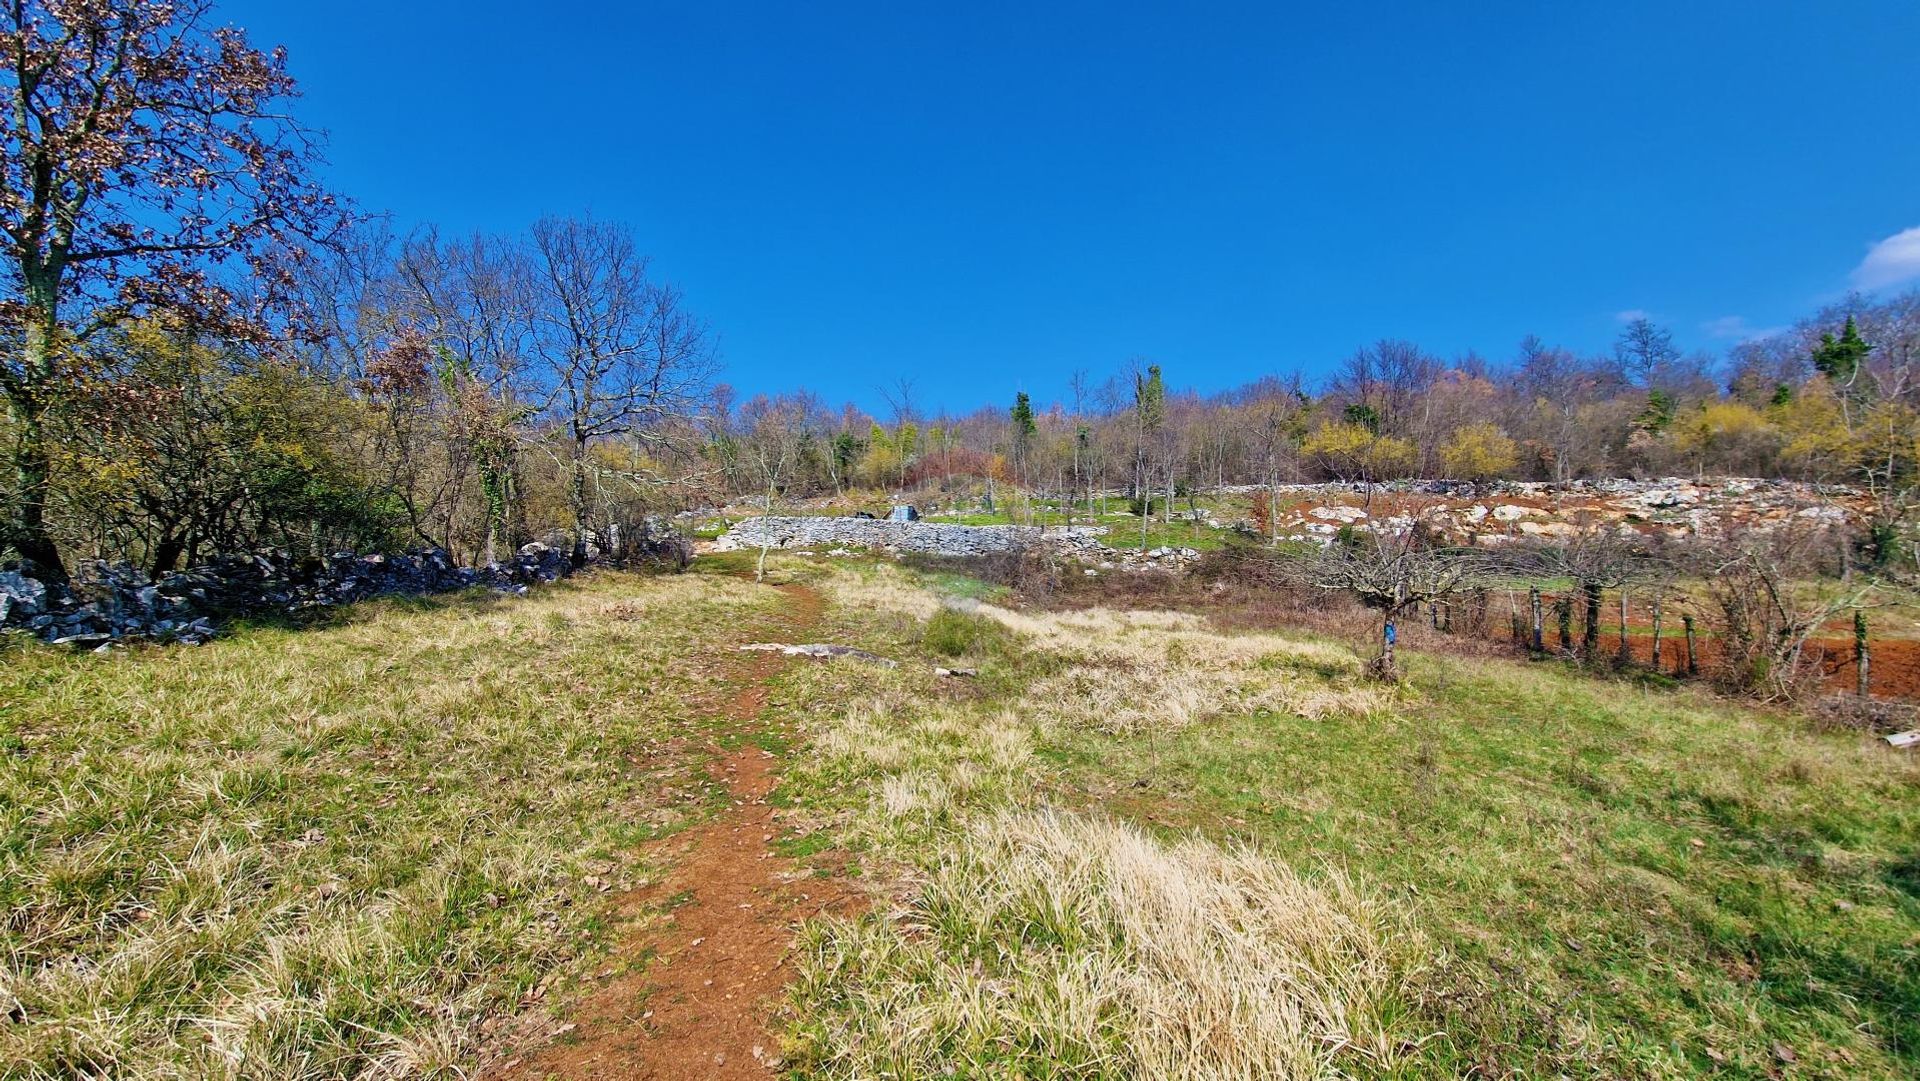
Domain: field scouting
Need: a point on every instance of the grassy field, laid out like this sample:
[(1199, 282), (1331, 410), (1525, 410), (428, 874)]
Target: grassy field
[(1500, 869), (346, 850), (1133, 845)]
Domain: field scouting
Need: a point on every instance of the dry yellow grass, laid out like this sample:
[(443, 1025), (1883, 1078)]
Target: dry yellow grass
[(1144, 671), (334, 852), (1040, 942), (1056, 944)]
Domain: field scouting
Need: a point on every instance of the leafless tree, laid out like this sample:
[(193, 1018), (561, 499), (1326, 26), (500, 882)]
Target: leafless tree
[(619, 354), (1392, 573), (1767, 611), (777, 430)]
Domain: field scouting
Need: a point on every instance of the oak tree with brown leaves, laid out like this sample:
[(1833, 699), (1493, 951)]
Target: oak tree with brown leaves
[(146, 161)]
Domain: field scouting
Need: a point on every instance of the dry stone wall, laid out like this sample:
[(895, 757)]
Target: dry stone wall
[(109, 603), (929, 538)]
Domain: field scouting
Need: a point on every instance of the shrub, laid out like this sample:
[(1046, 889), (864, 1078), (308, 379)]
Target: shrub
[(953, 633)]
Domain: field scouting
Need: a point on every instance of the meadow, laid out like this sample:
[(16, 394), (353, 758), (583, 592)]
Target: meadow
[(1136, 844)]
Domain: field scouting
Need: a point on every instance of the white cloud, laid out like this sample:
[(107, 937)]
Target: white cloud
[(1735, 327), (1631, 314), (1890, 262)]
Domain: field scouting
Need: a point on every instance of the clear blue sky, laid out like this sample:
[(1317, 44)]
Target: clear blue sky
[(986, 197)]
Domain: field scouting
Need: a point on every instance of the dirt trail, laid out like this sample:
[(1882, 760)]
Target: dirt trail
[(699, 1006)]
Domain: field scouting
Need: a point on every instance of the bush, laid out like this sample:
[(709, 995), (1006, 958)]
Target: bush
[(953, 633)]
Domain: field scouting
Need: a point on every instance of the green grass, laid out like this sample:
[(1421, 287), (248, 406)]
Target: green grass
[(353, 849), (951, 633), (343, 850), (1609, 879), (1623, 881)]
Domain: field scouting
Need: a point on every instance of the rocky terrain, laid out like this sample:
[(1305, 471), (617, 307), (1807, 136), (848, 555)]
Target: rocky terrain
[(1315, 513), (1509, 510)]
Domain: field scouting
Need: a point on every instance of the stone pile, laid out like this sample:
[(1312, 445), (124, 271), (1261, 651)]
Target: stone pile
[(836, 535), (115, 602)]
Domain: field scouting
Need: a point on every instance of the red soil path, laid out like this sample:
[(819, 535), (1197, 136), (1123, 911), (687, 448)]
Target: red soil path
[(700, 1006)]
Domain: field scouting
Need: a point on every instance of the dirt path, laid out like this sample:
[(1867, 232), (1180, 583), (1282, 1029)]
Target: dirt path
[(699, 1007)]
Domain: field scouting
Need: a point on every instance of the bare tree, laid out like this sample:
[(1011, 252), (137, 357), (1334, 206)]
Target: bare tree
[(1598, 558), (1392, 573), (1766, 610), (619, 353), (777, 429)]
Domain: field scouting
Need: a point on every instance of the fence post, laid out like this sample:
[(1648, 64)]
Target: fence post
[(1656, 632), (1693, 659), (1626, 650), (1861, 659), (1563, 610), (1539, 630)]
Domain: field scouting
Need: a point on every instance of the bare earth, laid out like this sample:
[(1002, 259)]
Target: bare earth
[(700, 1006)]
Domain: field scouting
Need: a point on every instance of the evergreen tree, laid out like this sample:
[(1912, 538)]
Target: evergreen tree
[(1023, 427), (1658, 414), (1840, 359)]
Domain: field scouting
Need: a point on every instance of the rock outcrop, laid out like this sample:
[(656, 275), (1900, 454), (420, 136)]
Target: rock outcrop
[(1491, 514)]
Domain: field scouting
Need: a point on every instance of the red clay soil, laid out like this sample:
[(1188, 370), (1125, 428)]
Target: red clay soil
[(699, 1005), (1893, 672)]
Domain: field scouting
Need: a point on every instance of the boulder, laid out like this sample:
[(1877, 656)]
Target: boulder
[(20, 597)]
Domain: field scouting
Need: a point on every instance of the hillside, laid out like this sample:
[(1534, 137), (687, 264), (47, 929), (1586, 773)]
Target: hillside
[(573, 832)]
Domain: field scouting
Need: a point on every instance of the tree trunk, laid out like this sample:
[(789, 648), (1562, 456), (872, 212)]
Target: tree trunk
[(1626, 648), (1656, 632), (1693, 659), (1386, 667), (1590, 634), (166, 555), (32, 464), (577, 496), (1862, 659)]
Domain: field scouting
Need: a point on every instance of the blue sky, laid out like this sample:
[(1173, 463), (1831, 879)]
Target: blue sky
[(985, 197)]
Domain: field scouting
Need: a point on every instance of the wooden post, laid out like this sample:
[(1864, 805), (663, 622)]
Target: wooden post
[(1626, 650), (1861, 661), (1656, 632), (1693, 659), (1539, 627), (1563, 609)]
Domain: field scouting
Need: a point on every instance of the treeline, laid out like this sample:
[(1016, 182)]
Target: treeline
[(474, 394), (1832, 401)]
